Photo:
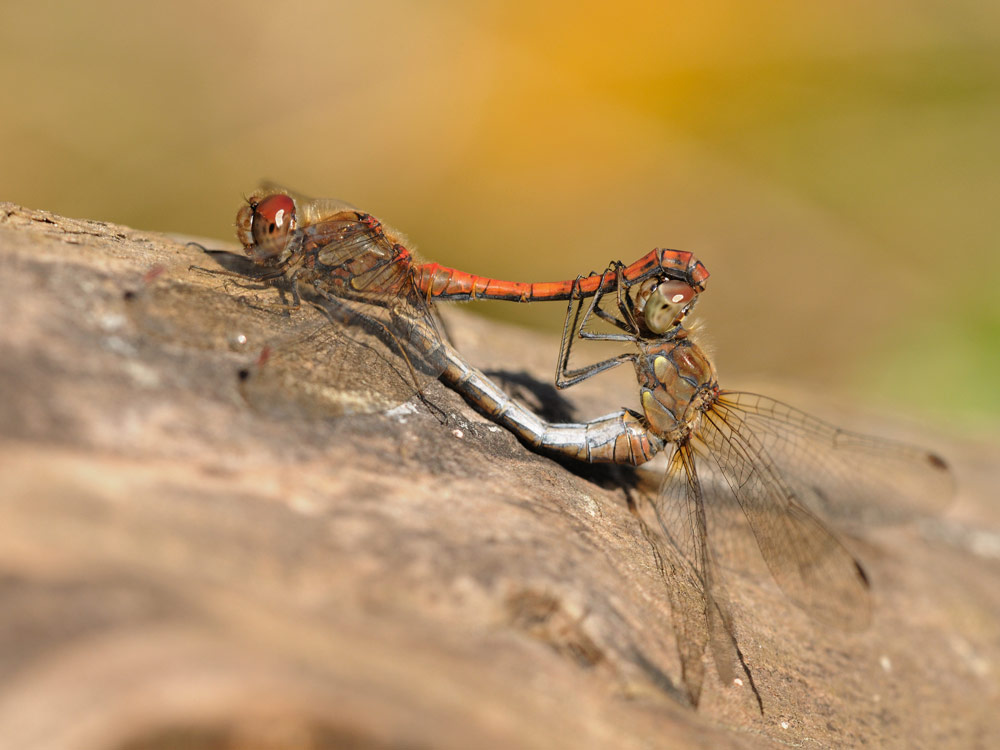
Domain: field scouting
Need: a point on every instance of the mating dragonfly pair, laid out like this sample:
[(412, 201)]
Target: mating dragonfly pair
[(730, 456)]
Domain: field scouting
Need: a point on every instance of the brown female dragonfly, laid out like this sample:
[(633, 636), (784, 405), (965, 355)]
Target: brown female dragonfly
[(740, 467)]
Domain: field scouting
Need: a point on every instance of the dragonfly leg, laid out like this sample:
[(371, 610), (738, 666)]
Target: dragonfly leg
[(575, 327), (236, 279), (625, 322), (625, 306), (566, 377), (296, 298), (442, 326), (273, 279)]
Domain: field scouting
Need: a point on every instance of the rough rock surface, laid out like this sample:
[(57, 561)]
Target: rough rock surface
[(178, 569)]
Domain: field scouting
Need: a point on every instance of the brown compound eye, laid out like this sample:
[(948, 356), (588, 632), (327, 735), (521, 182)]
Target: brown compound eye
[(666, 305), (273, 218)]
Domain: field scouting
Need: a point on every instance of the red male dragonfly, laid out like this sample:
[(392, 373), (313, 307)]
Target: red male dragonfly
[(357, 271), (349, 253)]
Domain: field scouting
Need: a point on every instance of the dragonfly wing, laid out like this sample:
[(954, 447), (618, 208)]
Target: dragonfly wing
[(699, 605), (841, 474), (806, 559), (363, 359)]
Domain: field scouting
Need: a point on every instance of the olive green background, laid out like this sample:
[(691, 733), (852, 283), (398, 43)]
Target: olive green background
[(834, 165)]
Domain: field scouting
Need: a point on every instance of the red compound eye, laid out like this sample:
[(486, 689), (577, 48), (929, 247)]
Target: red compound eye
[(273, 218), (676, 292)]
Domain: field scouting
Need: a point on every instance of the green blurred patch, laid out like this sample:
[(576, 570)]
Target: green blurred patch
[(951, 370)]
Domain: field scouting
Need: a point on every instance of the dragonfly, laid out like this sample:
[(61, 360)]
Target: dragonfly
[(743, 472), (360, 274)]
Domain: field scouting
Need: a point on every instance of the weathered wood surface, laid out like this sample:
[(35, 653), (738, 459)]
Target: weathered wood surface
[(178, 568)]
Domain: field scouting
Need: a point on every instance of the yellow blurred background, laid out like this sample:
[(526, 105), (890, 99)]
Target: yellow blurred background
[(834, 165)]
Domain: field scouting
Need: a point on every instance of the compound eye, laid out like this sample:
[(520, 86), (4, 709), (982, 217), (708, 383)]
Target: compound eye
[(666, 305), (273, 218)]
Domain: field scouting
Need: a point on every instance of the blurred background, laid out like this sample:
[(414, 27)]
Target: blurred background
[(834, 165)]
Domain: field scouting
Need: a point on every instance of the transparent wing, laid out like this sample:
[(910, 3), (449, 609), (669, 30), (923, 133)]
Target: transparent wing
[(366, 358), (806, 559), (699, 605), (842, 474)]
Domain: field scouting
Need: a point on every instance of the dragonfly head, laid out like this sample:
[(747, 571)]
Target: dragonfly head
[(661, 305), (263, 226)]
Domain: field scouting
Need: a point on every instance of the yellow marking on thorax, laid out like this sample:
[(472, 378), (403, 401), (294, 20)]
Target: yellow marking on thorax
[(649, 404), (660, 365)]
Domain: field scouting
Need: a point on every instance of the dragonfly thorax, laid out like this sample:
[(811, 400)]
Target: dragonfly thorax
[(677, 382)]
